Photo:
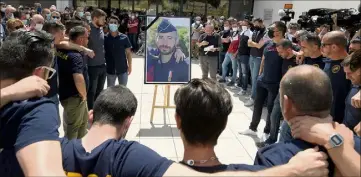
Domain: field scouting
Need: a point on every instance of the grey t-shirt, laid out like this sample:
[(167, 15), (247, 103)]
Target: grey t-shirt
[(96, 43)]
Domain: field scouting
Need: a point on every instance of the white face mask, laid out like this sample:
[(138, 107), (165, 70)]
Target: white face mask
[(244, 28), (38, 27), (226, 28), (88, 18), (3, 9), (27, 16), (208, 21), (133, 17), (234, 29), (198, 22)]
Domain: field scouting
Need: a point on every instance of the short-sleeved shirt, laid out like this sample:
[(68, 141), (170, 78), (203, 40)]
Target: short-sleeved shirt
[(71, 63), (23, 123), (256, 37), (340, 87), (115, 54), (114, 158), (317, 62), (352, 114), (195, 34), (225, 34), (214, 40), (224, 167), (96, 43), (281, 153), (288, 64), (166, 72), (272, 67)]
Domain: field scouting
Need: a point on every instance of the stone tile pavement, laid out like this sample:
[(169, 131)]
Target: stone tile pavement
[(163, 136)]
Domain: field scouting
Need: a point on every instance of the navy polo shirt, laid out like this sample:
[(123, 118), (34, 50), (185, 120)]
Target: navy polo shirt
[(352, 114), (114, 158), (71, 62), (115, 54), (340, 87), (318, 62), (223, 167), (287, 64), (281, 153), (272, 68), (23, 123), (53, 82), (160, 72)]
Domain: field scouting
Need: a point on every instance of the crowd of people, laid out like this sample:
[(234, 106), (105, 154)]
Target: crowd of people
[(51, 59)]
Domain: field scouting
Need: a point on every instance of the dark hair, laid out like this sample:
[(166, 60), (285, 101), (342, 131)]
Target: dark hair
[(311, 38), (98, 13), (77, 31), (114, 105), (309, 88), (114, 18), (73, 23), (285, 44), (338, 38), (25, 51), (259, 20), (353, 60), (293, 26), (281, 26), (357, 40), (52, 27), (203, 107)]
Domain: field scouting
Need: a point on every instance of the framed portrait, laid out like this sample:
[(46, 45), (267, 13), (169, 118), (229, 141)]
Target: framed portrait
[(167, 53)]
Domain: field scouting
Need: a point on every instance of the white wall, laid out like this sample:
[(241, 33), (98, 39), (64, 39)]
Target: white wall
[(299, 6), (61, 4)]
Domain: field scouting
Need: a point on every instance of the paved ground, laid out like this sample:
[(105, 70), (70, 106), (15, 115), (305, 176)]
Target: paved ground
[(163, 136)]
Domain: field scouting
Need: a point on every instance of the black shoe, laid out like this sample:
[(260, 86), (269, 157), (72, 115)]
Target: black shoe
[(230, 84), (262, 144), (221, 80)]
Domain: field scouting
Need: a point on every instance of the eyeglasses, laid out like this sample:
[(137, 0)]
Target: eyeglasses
[(49, 71)]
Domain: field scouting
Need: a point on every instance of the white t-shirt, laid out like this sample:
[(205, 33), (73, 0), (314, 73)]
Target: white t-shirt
[(196, 34)]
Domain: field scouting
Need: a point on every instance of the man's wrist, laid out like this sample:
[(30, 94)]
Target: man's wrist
[(6, 95), (292, 170)]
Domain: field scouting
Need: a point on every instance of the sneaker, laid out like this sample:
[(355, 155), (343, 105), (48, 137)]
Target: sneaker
[(249, 103), (264, 137), (222, 81), (242, 92), (230, 84), (249, 132)]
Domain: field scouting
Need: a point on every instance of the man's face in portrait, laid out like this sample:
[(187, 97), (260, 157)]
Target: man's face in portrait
[(166, 42)]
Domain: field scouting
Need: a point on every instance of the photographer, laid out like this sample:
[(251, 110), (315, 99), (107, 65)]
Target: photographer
[(355, 45)]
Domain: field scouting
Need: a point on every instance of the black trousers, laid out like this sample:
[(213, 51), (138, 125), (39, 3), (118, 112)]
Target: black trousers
[(276, 116), (97, 76), (263, 91)]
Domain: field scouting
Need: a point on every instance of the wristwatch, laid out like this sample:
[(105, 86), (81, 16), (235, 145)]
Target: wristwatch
[(335, 140)]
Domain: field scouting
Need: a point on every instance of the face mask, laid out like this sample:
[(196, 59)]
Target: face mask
[(113, 27), (244, 28), (3, 9), (133, 17), (81, 14), (198, 22), (38, 27), (25, 22), (27, 16), (271, 33), (48, 16), (226, 28), (234, 29), (88, 18)]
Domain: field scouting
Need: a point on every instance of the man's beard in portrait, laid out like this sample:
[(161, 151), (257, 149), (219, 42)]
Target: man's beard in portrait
[(165, 49)]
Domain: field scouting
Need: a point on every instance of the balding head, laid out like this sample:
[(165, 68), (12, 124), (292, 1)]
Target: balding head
[(335, 37), (36, 19), (334, 45), (305, 90), (209, 29)]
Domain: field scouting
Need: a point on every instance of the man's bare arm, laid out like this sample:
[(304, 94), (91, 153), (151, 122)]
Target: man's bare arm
[(128, 52), (67, 45), (35, 159), (80, 85), (261, 66)]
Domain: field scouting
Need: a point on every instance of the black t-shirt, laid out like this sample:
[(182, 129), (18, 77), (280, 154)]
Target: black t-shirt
[(256, 37), (23, 123), (272, 68), (214, 40), (223, 167), (71, 62), (225, 34), (318, 62), (114, 158), (287, 64), (352, 114), (281, 153), (340, 88)]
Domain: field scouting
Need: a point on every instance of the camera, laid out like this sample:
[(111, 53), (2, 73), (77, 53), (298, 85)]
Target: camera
[(286, 15), (248, 17)]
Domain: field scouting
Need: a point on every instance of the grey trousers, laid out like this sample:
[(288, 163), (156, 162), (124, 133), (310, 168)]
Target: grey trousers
[(209, 65)]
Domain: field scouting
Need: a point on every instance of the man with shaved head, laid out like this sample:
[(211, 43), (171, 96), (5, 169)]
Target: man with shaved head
[(306, 91), (333, 46), (37, 22)]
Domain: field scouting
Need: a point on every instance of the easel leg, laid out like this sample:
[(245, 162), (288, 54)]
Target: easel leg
[(168, 95), (153, 104)]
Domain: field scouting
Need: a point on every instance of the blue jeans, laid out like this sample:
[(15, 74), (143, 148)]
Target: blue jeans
[(243, 62), (254, 64), (122, 79), (285, 134), (133, 41), (222, 55), (55, 99), (227, 59)]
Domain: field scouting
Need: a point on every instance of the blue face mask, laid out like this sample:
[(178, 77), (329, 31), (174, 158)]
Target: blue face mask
[(48, 16), (113, 27), (81, 14)]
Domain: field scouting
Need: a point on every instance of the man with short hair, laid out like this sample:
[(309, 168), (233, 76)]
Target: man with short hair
[(29, 129), (36, 23), (333, 47), (118, 54), (72, 86), (355, 44), (304, 90), (96, 66), (133, 24), (311, 47), (352, 69)]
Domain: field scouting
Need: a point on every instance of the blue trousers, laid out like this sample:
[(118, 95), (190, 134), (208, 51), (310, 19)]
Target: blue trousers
[(254, 64)]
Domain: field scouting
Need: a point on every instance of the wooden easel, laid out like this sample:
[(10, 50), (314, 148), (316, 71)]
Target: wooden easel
[(166, 100)]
